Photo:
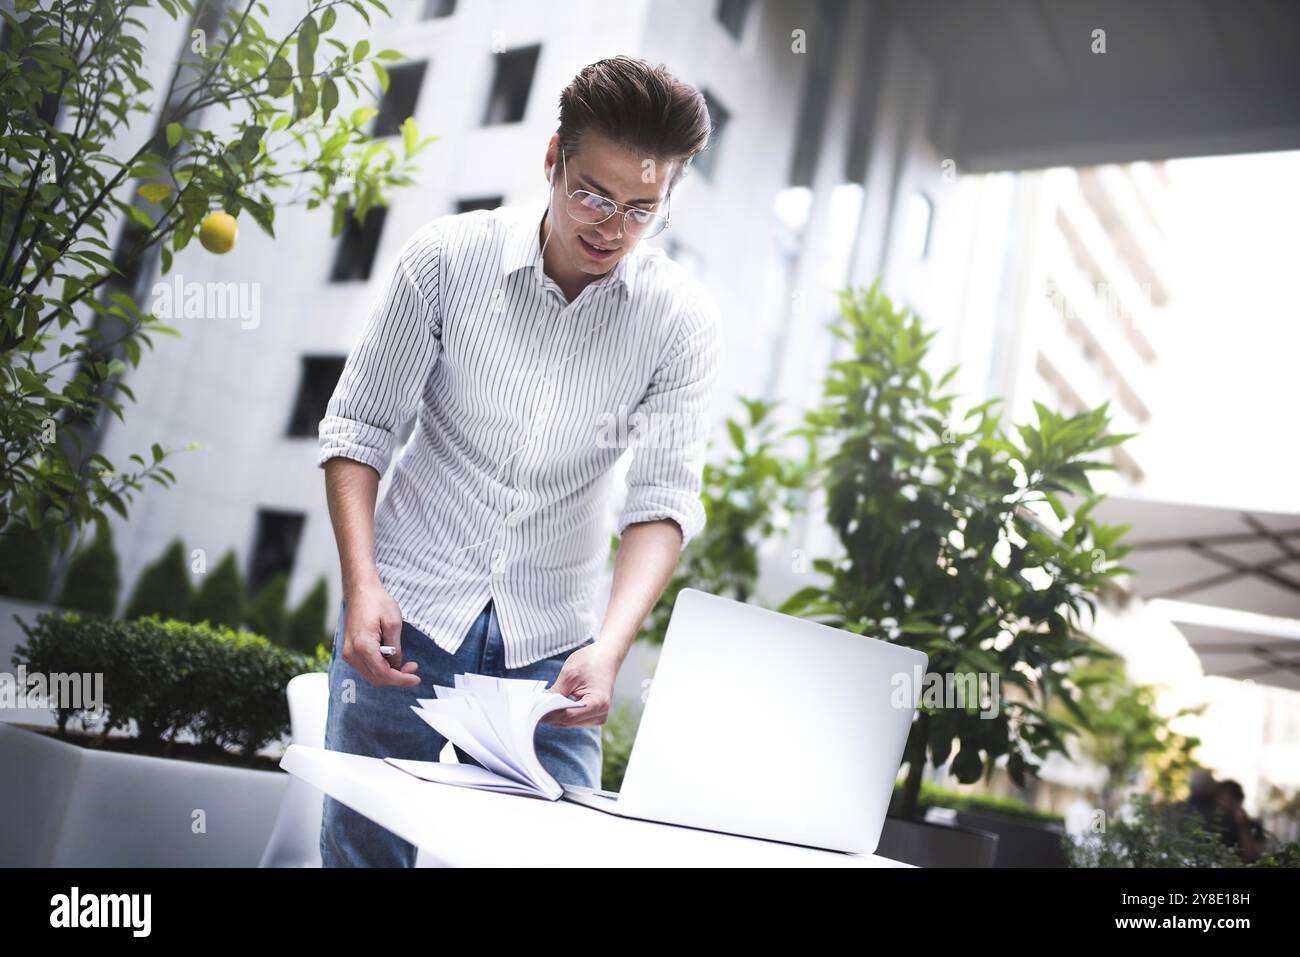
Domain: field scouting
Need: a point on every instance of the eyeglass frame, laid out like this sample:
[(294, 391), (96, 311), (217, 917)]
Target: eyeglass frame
[(564, 166)]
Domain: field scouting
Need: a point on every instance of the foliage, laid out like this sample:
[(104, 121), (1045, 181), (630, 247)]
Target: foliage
[(93, 580), (1164, 835), (82, 221), (748, 495), (947, 546), (225, 687)]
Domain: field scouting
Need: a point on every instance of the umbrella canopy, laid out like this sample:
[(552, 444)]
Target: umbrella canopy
[(1227, 557), (1257, 647)]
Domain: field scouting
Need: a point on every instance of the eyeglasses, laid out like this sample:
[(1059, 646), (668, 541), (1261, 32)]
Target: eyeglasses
[(592, 208)]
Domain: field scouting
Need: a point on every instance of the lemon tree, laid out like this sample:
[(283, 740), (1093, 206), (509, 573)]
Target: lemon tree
[(245, 123)]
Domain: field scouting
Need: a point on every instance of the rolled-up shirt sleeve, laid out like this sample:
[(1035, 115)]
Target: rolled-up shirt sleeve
[(383, 376), (670, 428)]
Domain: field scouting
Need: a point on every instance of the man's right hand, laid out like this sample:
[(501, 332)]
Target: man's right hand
[(373, 618)]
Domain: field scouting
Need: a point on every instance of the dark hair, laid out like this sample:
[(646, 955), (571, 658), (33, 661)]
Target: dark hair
[(640, 107), (1233, 788)]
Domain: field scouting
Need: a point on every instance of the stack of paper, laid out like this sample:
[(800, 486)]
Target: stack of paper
[(493, 720)]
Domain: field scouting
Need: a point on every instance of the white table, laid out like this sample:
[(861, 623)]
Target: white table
[(458, 827)]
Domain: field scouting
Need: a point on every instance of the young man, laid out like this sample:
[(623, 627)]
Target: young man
[(535, 346)]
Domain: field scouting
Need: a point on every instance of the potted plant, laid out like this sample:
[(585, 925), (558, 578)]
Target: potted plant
[(948, 545)]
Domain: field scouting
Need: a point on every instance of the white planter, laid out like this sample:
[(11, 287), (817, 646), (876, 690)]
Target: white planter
[(63, 805)]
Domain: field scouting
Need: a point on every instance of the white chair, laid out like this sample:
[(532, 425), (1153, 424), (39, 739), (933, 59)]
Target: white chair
[(295, 838)]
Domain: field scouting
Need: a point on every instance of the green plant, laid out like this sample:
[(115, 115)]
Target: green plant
[(220, 598), (246, 123), (93, 581), (749, 495), (163, 587), (307, 626), (931, 795), (616, 737), (945, 544), (25, 562), (1123, 732), (1161, 835), (266, 614), (169, 678)]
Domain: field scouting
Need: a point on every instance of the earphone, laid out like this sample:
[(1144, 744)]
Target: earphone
[(550, 201)]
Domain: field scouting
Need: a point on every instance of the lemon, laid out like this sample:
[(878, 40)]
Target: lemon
[(217, 232)]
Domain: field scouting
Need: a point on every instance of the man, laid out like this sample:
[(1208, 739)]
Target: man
[(1236, 828), (534, 345)]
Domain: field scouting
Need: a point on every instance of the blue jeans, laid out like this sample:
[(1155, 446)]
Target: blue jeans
[(379, 723)]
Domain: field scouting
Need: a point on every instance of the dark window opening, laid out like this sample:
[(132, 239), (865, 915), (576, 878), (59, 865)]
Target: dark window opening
[(275, 546), (320, 374), (707, 160), (478, 202), (438, 8), (399, 101), (358, 245), (732, 14), (511, 83)]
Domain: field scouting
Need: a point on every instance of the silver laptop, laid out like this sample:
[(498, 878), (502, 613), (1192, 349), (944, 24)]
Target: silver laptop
[(769, 726)]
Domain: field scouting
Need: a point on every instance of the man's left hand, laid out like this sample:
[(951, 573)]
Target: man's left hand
[(587, 676)]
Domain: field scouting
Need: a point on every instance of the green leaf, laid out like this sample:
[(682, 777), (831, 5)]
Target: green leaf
[(410, 135), (279, 77), (329, 98), (327, 19), (307, 47), (381, 74), (360, 50), (155, 192), (174, 131), (140, 216)]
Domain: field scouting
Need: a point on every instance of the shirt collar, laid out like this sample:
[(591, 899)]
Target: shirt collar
[(523, 248)]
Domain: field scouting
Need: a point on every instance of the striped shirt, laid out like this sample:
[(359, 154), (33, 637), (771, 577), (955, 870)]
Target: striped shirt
[(523, 403)]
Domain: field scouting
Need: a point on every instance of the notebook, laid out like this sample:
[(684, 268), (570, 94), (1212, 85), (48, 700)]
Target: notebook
[(493, 720)]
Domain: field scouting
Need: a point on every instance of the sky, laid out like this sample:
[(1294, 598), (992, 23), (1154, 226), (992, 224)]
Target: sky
[(1228, 424)]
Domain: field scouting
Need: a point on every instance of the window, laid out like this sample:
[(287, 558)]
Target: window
[(320, 374), (916, 225), (274, 547), (707, 160), (480, 202), (732, 15), (357, 246), (438, 8), (510, 85), (399, 102)]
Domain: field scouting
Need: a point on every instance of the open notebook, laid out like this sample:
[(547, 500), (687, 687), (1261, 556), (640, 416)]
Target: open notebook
[(493, 720)]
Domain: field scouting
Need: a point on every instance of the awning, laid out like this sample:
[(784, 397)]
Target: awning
[(1227, 557), (1258, 648)]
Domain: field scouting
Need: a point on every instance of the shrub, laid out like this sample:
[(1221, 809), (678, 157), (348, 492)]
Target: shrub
[(220, 599), (225, 687), (93, 581), (266, 614), (163, 588), (24, 563), (307, 626)]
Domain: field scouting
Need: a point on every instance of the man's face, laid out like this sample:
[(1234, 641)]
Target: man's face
[(602, 167)]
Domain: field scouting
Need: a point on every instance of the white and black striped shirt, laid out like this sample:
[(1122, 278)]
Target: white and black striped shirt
[(523, 404)]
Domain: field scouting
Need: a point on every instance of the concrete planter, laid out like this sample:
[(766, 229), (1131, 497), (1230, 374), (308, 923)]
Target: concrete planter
[(68, 806), (927, 844), (1021, 843)]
